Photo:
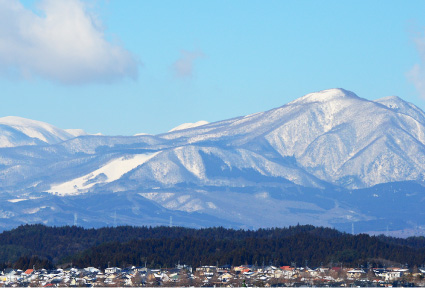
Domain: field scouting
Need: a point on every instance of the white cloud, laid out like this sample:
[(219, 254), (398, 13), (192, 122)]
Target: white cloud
[(417, 74), (183, 67), (63, 43)]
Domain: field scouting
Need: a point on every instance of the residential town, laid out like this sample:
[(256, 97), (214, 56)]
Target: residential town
[(216, 276)]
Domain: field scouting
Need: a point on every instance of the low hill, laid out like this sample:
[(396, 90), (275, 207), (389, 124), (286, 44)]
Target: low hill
[(167, 246)]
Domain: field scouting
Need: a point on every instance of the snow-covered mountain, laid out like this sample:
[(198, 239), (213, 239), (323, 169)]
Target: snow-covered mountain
[(17, 131), (333, 134), (299, 163)]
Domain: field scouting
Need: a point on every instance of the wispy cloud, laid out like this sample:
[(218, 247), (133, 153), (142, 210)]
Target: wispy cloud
[(63, 43), (417, 74), (183, 67)]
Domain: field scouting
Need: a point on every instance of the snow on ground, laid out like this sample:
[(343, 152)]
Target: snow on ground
[(36, 209), (112, 171), (16, 200)]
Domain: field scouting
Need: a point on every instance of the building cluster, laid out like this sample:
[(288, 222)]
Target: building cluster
[(214, 276)]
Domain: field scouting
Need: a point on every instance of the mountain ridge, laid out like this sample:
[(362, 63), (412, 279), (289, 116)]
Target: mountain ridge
[(301, 161)]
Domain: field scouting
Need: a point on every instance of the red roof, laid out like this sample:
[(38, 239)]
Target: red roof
[(29, 271)]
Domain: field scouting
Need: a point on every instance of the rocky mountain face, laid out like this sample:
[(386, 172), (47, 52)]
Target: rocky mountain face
[(321, 159)]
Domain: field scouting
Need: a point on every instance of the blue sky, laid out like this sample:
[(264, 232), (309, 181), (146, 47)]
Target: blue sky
[(126, 67)]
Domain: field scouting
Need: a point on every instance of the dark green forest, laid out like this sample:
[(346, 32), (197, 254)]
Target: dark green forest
[(40, 245)]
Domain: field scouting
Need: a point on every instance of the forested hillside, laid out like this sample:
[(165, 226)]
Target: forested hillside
[(166, 246)]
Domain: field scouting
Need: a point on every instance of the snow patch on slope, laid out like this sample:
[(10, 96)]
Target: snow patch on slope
[(76, 132), (112, 171), (188, 126), (141, 134), (16, 200)]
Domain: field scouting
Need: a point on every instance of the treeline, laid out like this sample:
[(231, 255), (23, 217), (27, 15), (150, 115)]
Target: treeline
[(55, 243), (166, 246), (414, 242), (302, 249)]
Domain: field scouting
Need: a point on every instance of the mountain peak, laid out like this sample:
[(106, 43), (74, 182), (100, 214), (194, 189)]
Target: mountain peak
[(33, 129), (392, 102), (326, 96), (400, 106), (20, 121)]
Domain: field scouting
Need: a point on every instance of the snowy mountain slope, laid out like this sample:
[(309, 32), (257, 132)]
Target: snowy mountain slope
[(357, 138), (298, 163), (188, 125), (93, 211), (399, 105), (217, 167), (11, 137), (332, 134), (92, 144), (76, 132), (112, 171), (17, 131), (259, 209)]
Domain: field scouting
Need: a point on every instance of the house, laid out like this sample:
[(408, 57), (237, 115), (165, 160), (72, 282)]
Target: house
[(224, 269), (111, 270), (287, 272), (92, 270), (225, 277), (29, 272), (356, 273), (206, 269), (12, 275), (29, 275), (239, 269), (184, 267), (73, 282), (160, 276), (263, 277), (110, 279), (174, 277), (379, 272), (394, 274)]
